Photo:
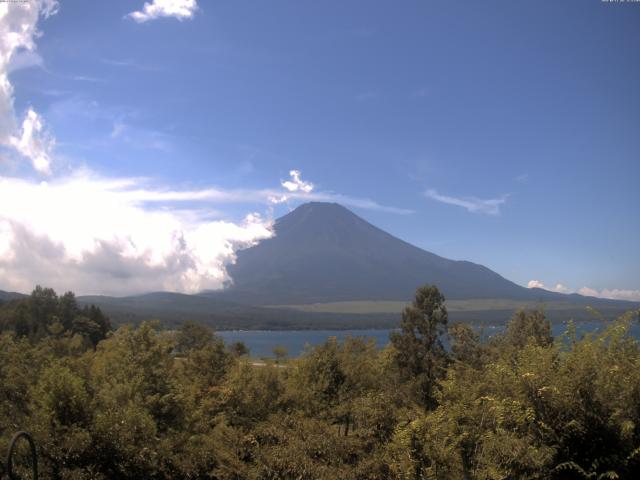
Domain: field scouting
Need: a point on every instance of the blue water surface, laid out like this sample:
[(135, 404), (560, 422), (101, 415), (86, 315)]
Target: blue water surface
[(262, 342)]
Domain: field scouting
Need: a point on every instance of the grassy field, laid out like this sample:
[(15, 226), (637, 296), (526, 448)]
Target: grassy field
[(479, 305)]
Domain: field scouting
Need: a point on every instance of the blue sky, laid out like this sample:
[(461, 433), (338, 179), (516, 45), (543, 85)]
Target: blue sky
[(505, 133)]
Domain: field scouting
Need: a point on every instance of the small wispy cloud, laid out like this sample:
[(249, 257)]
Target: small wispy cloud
[(365, 203), (522, 178), (489, 206), (297, 189), (87, 78), (559, 288), (179, 9), (609, 293), (131, 64), (53, 92), (296, 184), (141, 138), (294, 187)]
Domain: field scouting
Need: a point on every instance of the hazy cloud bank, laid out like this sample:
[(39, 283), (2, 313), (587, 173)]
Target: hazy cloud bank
[(113, 236), (614, 293)]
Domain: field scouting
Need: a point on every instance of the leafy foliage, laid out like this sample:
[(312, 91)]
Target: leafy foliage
[(149, 403), (419, 352)]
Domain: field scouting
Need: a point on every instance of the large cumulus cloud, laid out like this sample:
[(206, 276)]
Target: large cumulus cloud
[(112, 236)]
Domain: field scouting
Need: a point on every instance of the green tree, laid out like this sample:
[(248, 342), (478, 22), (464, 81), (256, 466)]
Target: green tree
[(103, 322), (528, 326), (280, 352), (319, 378), (192, 336), (466, 346), (239, 349), (88, 329), (44, 314), (62, 420), (67, 310), (419, 352)]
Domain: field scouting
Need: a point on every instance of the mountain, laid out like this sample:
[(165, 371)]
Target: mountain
[(7, 296), (322, 252), (327, 268)]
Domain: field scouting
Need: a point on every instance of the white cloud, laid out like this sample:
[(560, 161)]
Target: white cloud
[(18, 31), (588, 292), (613, 294), (295, 188), (535, 284), (96, 235), (472, 204), (561, 289), (296, 184), (298, 189), (35, 142), (180, 9)]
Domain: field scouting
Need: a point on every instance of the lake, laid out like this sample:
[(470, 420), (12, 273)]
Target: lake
[(261, 342)]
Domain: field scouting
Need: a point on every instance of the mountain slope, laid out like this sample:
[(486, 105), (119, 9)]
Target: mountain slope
[(8, 296), (323, 252)]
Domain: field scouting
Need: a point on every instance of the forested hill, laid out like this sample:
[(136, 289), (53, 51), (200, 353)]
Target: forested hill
[(6, 296)]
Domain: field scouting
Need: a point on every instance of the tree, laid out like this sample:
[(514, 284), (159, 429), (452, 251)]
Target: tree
[(526, 327), (67, 310), (44, 305), (89, 329), (465, 345), (280, 352), (320, 377), (238, 349), (419, 352), (103, 322), (193, 336)]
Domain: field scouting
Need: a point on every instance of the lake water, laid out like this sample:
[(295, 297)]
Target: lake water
[(261, 342)]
